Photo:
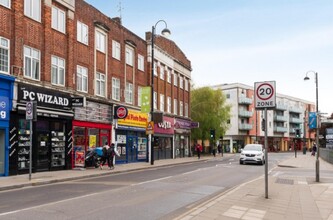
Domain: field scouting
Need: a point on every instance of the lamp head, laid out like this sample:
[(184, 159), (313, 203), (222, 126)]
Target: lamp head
[(166, 32), (306, 78)]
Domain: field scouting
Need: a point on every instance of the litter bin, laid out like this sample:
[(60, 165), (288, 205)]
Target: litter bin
[(304, 150)]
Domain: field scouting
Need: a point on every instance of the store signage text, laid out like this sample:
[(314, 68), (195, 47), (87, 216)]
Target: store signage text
[(134, 118), (164, 125), (4, 108), (45, 98)]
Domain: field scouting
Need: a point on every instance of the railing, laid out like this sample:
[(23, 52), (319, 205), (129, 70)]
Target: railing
[(295, 109), (280, 129), (244, 113), (296, 120), (281, 107), (245, 126), (245, 100), (280, 118)]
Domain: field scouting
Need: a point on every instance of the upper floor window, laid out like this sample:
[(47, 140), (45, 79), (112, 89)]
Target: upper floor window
[(186, 84), (186, 110), (129, 93), (175, 107), (162, 102), (168, 74), (228, 96), (31, 63), (58, 19), (139, 95), (155, 68), (161, 72), (115, 89), (169, 104), (141, 62), (81, 79), (100, 41), (5, 3), (129, 56), (58, 71), (181, 110), (82, 33), (32, 9), (4, 55), (175, 79), (155, 100), (181, 82), (100, 84), (116, 50)]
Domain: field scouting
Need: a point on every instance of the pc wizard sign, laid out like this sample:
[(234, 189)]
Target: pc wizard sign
[(265, 95)]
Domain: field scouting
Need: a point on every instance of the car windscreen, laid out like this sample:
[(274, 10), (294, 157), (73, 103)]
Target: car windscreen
[(253, 147)]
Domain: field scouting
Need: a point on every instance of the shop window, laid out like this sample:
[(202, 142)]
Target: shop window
[(79, 138), (93, 134)]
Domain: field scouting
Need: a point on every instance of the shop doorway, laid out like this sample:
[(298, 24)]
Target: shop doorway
[(43, 155), (2, 152), (132, 149)]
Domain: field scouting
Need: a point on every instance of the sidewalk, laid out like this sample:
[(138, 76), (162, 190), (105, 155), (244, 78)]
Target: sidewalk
[(289, 197)]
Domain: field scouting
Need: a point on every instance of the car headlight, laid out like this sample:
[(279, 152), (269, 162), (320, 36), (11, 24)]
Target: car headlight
[(259, 154), (242, 154)]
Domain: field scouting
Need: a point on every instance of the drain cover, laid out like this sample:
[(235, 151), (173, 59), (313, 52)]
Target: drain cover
[(285, 181)]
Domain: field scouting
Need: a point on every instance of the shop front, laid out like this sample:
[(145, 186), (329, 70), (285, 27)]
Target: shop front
[(6, 96), (92, 127), (163, 139), (182, 137), (51, 137), (131, 139)]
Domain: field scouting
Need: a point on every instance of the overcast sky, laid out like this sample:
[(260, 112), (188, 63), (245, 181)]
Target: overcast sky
[(244, 41)]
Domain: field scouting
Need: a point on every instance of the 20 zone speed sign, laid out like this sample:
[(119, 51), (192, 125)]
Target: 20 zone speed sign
[(265, 94)]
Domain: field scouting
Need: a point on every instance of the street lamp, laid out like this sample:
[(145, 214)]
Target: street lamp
[(165, 32), (317, 118)]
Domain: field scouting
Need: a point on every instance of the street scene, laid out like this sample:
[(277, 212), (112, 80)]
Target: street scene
[(166, 109)]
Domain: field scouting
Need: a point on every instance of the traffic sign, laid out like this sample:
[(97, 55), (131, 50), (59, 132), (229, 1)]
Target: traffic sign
[(29, 111), (265, 94), (150, 128)]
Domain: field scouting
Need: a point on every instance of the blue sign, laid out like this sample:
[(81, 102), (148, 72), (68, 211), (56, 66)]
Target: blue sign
[(312, 120), (4, 108)]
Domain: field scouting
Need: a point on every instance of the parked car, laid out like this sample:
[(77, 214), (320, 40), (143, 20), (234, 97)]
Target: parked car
[(252, 153)]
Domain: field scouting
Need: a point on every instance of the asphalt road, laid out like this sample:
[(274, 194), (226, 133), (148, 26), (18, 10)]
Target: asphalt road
[(155, 193)]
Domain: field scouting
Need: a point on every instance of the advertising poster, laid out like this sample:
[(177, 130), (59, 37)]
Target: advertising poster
[(92, 141), (79, 158)]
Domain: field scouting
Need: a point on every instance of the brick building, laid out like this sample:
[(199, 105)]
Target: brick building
[(53, 51)]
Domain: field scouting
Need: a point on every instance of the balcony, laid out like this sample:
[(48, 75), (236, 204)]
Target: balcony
[(281, 107), (296, 110), (280, 118), (245, 126), (245, 114), (296, 120), (280, 129), (245, 100)]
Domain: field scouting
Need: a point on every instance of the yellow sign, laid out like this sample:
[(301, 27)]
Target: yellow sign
[(150, 128), (92, 141), (134, 118)]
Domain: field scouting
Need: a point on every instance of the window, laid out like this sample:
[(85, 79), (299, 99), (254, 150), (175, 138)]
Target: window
[(162, 102), (155, 100), (100, 84), (186, 110), (82, 33), (168, 74), (4, 55), (100, 41), (139, 95), (129, 93), (181, 82), (129, 56), (169, 104), (155, 68), (81, 79), (32, 9), (31, 63), (116, 50), (181, 108), (228, 96), (161, 72), (175, 81), (141, 62), (58, 71), (186, 84), (175, 107), (5, 3), (58, 19), (116, 89)]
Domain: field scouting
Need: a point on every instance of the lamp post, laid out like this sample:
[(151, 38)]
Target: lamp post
[(317, 123), (164, 32)]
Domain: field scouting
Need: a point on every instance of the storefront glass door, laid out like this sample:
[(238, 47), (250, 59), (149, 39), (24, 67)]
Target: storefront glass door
[(43, 156), (132, 149)]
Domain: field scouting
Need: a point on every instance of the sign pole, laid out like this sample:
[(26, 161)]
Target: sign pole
[(266, 156), (30, 151)]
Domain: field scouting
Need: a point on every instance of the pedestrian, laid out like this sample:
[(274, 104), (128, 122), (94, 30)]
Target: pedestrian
[(219, 148), (116, 153), (314, 149), (198, 148), (112, 152), (105, 157)]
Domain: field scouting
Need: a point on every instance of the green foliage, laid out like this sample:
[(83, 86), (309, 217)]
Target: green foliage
[(209, 108)]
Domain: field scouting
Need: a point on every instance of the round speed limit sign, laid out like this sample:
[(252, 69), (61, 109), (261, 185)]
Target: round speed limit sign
[(265, 94)]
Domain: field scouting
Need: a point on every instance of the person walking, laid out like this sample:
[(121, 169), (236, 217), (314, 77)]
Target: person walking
[(314, 150), (198, 148), (112, 152), (105, 157)]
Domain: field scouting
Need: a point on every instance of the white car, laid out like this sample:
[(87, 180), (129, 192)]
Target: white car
[(252, 153)]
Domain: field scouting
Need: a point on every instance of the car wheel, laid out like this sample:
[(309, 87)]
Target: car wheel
[(241, 162)]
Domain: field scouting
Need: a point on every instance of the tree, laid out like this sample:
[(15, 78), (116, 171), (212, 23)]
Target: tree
[(209, 108)]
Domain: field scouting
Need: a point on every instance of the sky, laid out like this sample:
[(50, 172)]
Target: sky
[(244, 41)]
